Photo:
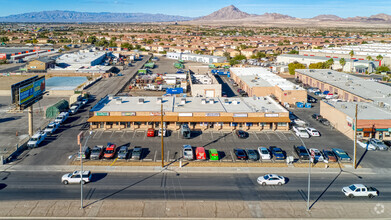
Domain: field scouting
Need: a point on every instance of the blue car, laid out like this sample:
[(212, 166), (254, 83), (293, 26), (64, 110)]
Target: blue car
[(277, 153), (341, 154)]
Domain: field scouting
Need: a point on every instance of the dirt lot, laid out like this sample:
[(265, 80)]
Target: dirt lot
[(7, 81)]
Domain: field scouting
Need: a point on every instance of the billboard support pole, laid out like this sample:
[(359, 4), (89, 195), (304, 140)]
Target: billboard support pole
[(30, 113)]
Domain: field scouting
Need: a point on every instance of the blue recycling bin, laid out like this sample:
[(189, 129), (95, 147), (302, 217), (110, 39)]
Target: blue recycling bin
[(299, 104), (307, 105)]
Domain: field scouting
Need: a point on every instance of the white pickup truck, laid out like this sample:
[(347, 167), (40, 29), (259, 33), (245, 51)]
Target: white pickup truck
[(359, 190)]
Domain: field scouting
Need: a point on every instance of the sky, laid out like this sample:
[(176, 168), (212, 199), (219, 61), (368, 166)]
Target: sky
[(195, 8)]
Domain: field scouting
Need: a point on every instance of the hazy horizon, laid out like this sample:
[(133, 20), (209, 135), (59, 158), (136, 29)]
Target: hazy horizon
[(299, 8)]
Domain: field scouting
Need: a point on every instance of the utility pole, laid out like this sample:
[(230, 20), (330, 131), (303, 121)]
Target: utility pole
[(355, 138), (162, 131), (30, 116)]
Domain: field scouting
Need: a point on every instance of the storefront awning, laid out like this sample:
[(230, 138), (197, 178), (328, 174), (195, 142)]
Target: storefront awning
[(262, 119), (205, 119), (132, 119)]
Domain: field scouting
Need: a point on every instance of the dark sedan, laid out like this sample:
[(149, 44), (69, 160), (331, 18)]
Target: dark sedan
[(241, 134), (324, 121), (301, 152), (277, 153), (240, 154), (329, 155)]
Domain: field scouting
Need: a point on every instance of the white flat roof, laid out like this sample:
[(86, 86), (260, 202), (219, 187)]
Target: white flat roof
[(80, 57), (262, 77), (364, 88), (193, 104), (366, 111), (363, 50)]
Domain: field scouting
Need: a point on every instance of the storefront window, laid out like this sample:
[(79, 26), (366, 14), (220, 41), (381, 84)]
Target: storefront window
[(249, 124), (109, 123), (387, 134), (137, 123), (282, 124), (150, 123), (367, 134)]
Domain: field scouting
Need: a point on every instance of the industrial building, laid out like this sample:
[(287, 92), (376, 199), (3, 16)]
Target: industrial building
[(361, 52), (356, 66), (40, 64), (251, 113), (14, 54), (261, 82), (82, 58), (205, 85), (196, 57), (373, 98)]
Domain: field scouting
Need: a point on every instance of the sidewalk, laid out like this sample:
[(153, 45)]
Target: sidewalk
[(153, 209), (154, 169)]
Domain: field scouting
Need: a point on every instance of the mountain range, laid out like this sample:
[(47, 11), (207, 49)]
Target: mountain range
[(73, 16), (229, 13)]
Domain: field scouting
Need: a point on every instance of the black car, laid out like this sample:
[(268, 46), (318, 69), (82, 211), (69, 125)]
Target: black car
[(241, 133), (302, 152), (316, 117), (388, 143), (240, 154), (252, 155), (311, 99), (324, 121)]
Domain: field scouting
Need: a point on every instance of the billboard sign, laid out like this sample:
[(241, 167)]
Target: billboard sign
[(27, 92), (3, 56)]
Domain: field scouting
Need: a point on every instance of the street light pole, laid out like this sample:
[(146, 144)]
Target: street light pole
[(81, 172)]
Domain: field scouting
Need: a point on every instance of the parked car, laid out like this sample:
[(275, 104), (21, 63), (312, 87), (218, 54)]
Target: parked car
[(264, 153), (359, 190), (61, 117), (277, 153), (388, 143), (341, 155), (164, 132), (378, 144), (316, 116), (317, 155), (85, 153), (324, 121), (300, 132), (52, 127), (271, 179), (136, 153), (312, 131), (36, 139), (97, 152), (366, 144), (299, 122), (311, 99), (241, 133), (151, 132), (240, 154), (76, 178), (123, 152), (252, 154), (329, 155), (188, 152), (200, 153), (74, 108), (313, 90), (302, 152), (213, 154)]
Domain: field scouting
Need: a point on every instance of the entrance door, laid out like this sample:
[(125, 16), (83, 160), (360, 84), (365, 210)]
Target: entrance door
[(209, 93)]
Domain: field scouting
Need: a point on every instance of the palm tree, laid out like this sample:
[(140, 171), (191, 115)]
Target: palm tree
[(380, 58), (369, 58), (351, 54), (330, 62), (342, 61)]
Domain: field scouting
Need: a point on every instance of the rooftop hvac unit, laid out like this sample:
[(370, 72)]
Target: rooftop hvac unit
[(226, 101), (203, 101), (381, 104), (234, 102), (159, 100), (344, 106), (140, 101), (118, 101), (183, 101), (211, 101), (329, 73)]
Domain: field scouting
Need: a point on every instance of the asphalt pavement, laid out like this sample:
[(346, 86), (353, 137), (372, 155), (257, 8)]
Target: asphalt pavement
[(170, 185)]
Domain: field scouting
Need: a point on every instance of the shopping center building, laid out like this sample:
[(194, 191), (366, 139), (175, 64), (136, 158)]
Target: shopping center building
[(250, 113)]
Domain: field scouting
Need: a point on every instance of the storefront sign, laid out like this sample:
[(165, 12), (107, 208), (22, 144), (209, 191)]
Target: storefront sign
[(240, 115), (155, 114), (271, 115), (212, 114), (102, 113), (128, 113), (185, 114)]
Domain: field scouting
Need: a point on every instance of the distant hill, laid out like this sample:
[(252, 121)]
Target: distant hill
[(227, 13), (73, 16), (327, 17)]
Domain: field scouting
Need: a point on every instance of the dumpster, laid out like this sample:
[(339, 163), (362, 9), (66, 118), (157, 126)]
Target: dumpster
[(299, 104)]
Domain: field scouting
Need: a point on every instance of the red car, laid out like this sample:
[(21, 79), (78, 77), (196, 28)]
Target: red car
[(151, 132), (110, 151), (200, 153)]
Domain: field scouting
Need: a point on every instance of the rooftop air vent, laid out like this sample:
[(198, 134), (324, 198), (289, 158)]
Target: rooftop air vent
[(118, 101), (140, 101)]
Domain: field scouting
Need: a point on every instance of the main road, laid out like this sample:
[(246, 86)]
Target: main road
[(170, 185)]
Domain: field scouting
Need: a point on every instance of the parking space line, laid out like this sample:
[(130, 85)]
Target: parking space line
[(211, 134), (111, 134), (255, 134), (281, 135), (267, 136)]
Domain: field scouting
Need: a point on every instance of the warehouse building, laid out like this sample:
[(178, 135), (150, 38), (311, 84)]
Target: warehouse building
[(261, 82), (361, 52), (41, 64), (255, 113), (203, 83), (82, 58), (373, 98), (14, 54), (196, 57), (357, 66)]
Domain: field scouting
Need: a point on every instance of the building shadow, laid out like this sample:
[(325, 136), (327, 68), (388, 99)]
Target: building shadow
[(2, 186), (362, 157), (217, 139)]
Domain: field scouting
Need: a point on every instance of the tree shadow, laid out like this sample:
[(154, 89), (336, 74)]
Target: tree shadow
[(121, 190)]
